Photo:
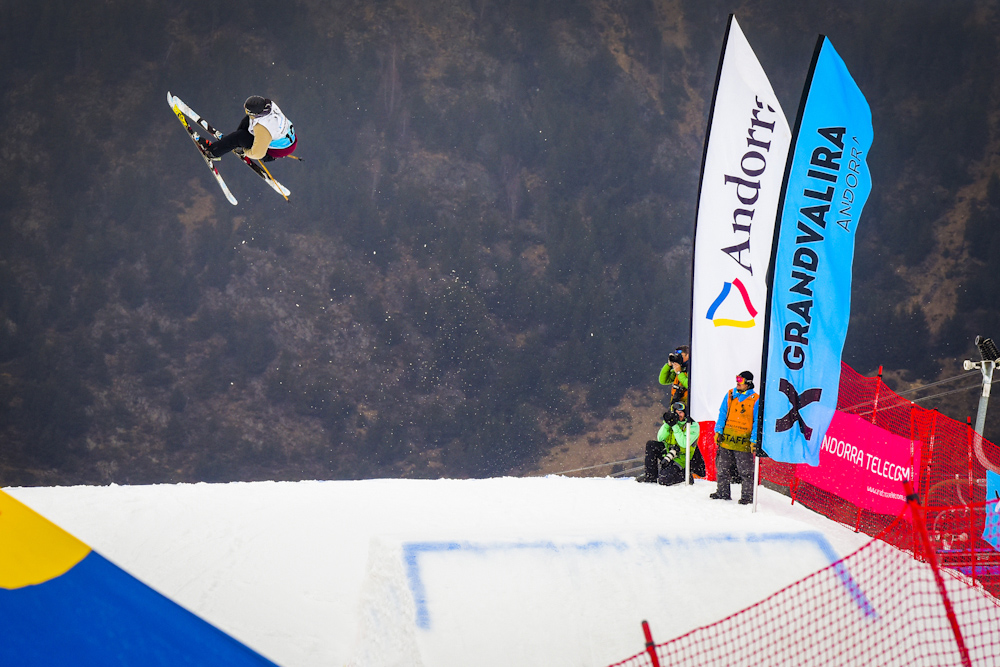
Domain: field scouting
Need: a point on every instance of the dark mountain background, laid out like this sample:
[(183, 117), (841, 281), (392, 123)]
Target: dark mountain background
[(487, 245)]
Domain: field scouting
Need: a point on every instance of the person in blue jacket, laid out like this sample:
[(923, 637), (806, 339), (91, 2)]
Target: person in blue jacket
[(736, 437)]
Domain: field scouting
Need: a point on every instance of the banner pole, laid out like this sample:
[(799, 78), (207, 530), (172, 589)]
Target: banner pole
[(687, 447), (697, 207), (770, 275)]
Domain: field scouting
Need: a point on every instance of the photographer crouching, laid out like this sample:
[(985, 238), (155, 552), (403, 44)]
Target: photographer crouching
[(665, 456)]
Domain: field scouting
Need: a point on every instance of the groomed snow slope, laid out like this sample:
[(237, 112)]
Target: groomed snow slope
[(507, 571)]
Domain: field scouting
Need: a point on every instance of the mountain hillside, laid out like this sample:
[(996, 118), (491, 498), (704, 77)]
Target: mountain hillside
[(487, 246)]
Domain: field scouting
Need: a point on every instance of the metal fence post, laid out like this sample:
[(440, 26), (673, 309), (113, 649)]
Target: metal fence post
[(650, 646), (924, 541)]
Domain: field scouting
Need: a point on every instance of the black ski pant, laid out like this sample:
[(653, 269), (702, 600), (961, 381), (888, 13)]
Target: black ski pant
[(654, 453), (241, 138), (724, 459), (659, 469), (697, 462), (670, 473)]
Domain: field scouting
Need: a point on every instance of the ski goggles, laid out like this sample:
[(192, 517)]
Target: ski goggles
[(267, 110)]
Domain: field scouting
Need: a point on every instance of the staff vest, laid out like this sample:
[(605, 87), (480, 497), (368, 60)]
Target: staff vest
[(739, 422)]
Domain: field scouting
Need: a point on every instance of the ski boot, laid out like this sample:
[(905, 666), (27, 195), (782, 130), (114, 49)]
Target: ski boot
[(205, 146)]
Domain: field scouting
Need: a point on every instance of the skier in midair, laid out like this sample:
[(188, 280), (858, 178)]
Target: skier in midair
[(264, 134)]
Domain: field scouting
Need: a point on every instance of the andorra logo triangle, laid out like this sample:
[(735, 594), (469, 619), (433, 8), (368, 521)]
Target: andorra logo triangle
[(726, 322)]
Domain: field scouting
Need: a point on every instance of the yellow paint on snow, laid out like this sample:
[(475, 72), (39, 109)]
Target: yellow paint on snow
[(33, 550)]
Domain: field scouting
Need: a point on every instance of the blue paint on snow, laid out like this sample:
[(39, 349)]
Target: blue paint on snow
[(412, 551)]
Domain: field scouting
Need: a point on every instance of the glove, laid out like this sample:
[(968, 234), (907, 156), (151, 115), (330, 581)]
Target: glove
[(670, 418), (673, 452)]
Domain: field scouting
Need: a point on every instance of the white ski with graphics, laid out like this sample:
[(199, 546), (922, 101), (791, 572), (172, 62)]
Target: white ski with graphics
[(173, 102)]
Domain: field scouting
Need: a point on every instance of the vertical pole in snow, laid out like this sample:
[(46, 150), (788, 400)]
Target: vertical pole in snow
[(930, 458), (878, 390), (924, 541), (687, 448), (968, 443), (968, 542), (650, 646)]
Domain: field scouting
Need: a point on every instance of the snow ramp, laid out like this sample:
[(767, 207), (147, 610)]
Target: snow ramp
[(526, 571)]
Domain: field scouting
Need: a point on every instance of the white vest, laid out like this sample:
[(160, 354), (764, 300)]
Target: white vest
[(276, 124)]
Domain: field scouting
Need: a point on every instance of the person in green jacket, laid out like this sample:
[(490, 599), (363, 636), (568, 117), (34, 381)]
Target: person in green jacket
[(675, 374), (665, 456)]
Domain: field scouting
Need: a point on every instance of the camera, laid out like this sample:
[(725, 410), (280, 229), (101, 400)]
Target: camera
[(670, 418), (675, 358)]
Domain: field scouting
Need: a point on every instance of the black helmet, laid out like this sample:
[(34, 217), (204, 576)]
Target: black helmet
[(257, 105), (748, 376)]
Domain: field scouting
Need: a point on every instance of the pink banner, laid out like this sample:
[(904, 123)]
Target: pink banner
[(864, 464)]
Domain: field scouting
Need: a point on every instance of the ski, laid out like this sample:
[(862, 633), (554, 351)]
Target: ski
[(204, 124), (172, 101)]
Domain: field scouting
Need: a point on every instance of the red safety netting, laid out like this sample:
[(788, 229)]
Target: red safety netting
[(881, 605), (953, 473), (920, 593)]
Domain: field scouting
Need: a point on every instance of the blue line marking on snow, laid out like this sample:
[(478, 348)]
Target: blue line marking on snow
[(814, 538), (839, 568), (412, 552)]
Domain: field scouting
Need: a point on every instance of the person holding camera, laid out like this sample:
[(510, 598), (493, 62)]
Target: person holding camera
[(665, 456), (675, 373), (736, 437)]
